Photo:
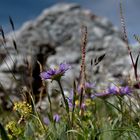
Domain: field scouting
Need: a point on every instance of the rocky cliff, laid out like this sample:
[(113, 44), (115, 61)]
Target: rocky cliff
[(54, 37)]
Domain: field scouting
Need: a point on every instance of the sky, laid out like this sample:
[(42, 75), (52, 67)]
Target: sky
[(24, 10)]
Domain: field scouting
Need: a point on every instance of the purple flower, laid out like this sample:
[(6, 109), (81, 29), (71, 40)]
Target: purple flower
[(70, 99), (113, 90), (46, 120), (125, 90), (88, 88), (55, 73), (70, 102), (56, 118)]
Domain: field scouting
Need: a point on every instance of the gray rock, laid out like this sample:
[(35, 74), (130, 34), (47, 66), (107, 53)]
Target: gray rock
[(55, 37)]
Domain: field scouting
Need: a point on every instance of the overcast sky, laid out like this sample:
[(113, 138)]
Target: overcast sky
[(23, 10)]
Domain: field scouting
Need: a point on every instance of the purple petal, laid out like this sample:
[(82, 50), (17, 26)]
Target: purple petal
[(44, 75), (55, 74), (56, 118), (125, 90), (70, 100), (46, 120), (52, 72), (63, 67), (112, 90)]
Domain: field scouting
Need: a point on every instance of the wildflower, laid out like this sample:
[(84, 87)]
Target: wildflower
[(46, 120), (113, 90), (88, 88), (13, 129), (70, 99), (56, 118), (88, 102), (23, 108), (119, 90), (55, 73), (125, 90), (77, 103)]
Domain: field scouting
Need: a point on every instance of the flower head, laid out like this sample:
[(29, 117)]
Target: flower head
[(56, 118), (118, 90), (88, 88), (55, 73), (125, 90), (113, 90), (46, 120), (13, 129), (23, 108)]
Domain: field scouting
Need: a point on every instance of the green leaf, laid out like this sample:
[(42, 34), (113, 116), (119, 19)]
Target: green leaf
[(3, 133), (29, 130)]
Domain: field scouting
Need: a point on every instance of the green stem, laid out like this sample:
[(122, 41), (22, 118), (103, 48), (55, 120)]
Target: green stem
[(49, 99), (66, 102), (62, 92), (36, 113)]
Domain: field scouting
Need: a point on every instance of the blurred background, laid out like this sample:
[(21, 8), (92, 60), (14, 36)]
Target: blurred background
[(24, 10)]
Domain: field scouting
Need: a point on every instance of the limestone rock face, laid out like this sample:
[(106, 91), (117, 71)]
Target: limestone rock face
[(55, 37)]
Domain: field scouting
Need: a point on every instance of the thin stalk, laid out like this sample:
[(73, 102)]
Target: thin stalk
[(62, 92), (49, 99), (82, 76), (36, 113), (73, 104), (81, 98), (121, 108), (126, 41), (65, 101)]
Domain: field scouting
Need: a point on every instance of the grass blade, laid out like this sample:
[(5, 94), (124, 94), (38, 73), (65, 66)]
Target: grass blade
[(15, 45), (3, 35), (12, 23), (3, 133), (99, 59)]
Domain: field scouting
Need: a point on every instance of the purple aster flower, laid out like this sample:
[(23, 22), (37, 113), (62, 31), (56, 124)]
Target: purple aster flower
[(55, 73), (125, 90), (56, 118), (46, 120), (113, 90), (70, 104), (63, 68), (119, 90), (70, 99), (88, 88)]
